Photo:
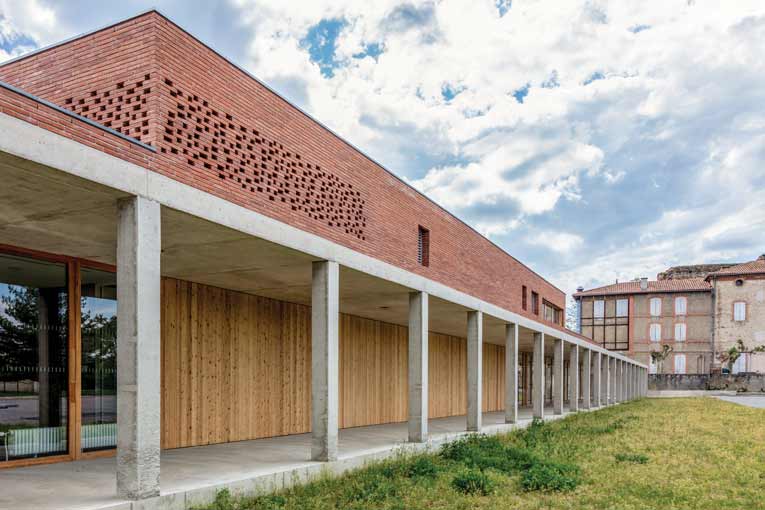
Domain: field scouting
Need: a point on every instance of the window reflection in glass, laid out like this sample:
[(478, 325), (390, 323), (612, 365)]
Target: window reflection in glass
[(99, 359), (33, 358)]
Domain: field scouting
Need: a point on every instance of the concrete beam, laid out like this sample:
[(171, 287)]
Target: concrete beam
[(41, 146), (474, 370), (587, 378), (557, 376), (573, 379), (324, 359), (418, 367), (511, 373), (138, 347), (538, 374)]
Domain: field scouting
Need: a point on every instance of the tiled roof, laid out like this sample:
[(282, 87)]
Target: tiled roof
[(753, 267), (633, 287)]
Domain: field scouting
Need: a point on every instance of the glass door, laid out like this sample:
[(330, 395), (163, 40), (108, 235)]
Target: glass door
[(33, 358), (98, 323)]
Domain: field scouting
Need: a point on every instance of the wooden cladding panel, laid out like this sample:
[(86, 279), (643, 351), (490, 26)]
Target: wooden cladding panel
[(234, 366), (237, 367)]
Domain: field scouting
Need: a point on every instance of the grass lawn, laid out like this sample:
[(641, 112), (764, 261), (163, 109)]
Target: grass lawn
[(653, 453)]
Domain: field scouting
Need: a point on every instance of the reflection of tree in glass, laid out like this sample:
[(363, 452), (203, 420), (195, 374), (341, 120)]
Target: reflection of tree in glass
[(20, 326), (99, 351)]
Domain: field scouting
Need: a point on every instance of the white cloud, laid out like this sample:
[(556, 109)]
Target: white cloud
[(643, 149), (29, 18), (560, 242)]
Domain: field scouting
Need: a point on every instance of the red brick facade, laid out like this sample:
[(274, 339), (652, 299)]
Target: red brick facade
[(219, 130)]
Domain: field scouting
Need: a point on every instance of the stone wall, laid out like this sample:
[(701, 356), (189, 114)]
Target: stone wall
[(748, 382)]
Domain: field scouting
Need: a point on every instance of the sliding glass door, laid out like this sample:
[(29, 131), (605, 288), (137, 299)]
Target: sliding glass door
[(98, 331), (34, 318)]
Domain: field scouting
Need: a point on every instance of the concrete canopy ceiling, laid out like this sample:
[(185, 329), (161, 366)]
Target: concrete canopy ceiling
[(44, 209)]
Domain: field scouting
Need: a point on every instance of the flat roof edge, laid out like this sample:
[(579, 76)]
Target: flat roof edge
[(280, 96), (75, 116)]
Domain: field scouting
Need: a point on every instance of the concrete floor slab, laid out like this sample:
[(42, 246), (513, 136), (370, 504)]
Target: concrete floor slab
[(192, 476)]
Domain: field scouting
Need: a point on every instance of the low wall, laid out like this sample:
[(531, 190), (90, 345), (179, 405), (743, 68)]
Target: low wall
[(688, 382)]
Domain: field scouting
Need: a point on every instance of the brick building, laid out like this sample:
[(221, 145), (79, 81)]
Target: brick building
[(187, 259), (697, 311)]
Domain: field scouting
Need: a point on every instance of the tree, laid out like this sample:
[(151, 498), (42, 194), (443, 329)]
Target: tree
[(658, 357), (571, 314), (729, 357)]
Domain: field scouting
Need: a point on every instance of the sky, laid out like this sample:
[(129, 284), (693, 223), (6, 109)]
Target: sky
[(592, 140)]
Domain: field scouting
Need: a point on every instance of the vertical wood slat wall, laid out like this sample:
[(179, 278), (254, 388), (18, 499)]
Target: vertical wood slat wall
[(237, 366)]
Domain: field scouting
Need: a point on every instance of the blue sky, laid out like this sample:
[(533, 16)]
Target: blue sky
[(594, 141)]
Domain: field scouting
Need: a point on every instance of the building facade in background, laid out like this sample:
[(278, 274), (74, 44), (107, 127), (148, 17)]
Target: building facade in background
[(691, 314)]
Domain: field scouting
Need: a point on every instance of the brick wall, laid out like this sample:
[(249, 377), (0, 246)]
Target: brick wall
[(221, 131), (697, 346)]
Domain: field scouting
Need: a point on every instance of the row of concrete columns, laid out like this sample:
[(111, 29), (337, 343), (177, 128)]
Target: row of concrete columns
[(604, 379)]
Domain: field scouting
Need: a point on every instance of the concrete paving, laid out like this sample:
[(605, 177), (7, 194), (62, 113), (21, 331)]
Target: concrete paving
[(192, 475), (757, 401)]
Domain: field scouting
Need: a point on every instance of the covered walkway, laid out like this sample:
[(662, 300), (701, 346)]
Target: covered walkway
[(192, 476)]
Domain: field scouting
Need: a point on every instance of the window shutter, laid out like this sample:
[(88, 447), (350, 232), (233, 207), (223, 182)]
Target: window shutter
[(656, 332), (655, 307), (739, 311), (680, 332), (681, 305), (679, 363)]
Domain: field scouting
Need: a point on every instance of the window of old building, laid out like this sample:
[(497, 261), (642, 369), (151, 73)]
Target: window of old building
[(679, 363), (681, 305), (739, 311), (680, 332), (622, 307), (655, 307), (599, 310), (655, 332)]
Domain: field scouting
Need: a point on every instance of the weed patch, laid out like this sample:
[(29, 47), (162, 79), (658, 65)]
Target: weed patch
[(550, 476), (473, 481), (635, 458)]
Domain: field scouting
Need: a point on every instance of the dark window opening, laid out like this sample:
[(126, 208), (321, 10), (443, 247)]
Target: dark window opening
[(423, 246), (523, 298), (535, 302)]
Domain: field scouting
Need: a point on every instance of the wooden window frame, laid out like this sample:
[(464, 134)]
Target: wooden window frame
[(74, 355)]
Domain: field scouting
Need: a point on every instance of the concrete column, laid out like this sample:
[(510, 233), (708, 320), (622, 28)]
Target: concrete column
[(538, 389), (624, 381), (604, 380), (324, 359), (573, 379), (609, 385), (557, 376), (511, 373), (596, 383), (139, 241), (618, 374), (586, 378), (474, 370), (612, 368), (418, 367)]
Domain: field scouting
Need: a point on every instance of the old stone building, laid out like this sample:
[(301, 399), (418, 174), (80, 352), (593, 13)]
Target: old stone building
[(696, 311), (739, 293)]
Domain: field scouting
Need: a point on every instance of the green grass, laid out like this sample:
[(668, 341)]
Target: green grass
[(649, 454)]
